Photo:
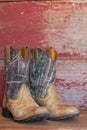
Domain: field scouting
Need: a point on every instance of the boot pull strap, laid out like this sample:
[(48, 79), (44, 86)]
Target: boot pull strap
[(51, 51), (53, 54), (35, 54), (24, 52), (7, 53)]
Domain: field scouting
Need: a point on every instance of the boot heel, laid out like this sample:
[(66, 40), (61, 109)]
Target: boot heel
[(6, 113)]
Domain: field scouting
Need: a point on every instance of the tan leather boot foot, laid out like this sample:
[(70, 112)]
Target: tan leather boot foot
[(43, 77), (57, 109)]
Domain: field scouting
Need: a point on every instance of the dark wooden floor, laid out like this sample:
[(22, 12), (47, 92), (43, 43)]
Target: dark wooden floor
[(78, 123)]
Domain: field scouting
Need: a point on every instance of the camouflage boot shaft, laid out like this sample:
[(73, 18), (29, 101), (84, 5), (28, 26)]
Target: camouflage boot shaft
[(42, 73), (16, 74)]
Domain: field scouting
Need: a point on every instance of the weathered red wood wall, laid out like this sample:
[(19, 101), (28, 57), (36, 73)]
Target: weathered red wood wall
[(62, 25)]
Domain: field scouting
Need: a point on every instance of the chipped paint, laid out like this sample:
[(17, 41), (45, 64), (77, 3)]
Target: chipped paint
[(62, 25), (71, 82), (66, 31)]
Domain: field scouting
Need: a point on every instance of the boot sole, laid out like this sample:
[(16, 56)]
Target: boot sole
[(39, 117), (70, 116)]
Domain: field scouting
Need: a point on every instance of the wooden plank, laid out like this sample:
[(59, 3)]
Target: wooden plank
[(79, 123), (62, 25), (71, 82), (75, 1)]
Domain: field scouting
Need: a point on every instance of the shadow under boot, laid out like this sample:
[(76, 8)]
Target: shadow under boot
[(18, 102), (42, 78)]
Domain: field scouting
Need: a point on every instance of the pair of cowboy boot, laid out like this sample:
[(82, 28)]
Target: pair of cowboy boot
[(30, 93)]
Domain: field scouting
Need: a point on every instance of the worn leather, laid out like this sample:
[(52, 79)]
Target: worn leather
[(24, 106), (42, 77), (55, 106), (17, 98)]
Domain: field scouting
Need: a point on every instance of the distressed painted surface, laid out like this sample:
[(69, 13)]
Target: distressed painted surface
[(71, 82), (66, 29), (62, 25)]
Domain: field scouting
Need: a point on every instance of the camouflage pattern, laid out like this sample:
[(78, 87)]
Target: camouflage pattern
[(42, 73), (16, 74)]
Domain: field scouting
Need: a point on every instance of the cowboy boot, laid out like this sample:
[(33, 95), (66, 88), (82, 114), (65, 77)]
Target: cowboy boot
[(18, 102), (42, 78)]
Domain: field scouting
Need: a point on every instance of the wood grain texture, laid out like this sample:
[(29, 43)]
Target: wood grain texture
[(77, 1), (61, 24), (79, 123), (71, 82)]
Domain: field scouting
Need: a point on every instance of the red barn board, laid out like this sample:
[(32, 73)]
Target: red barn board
[(60, 24)]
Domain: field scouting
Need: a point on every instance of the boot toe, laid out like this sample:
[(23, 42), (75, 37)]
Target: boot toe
[(64, 112), (67, 110), (72, 110)]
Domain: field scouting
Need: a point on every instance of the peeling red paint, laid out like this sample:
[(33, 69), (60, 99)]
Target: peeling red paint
[(71, 83), (85, 83), (67, 55), (62, 25), (59, 24)]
